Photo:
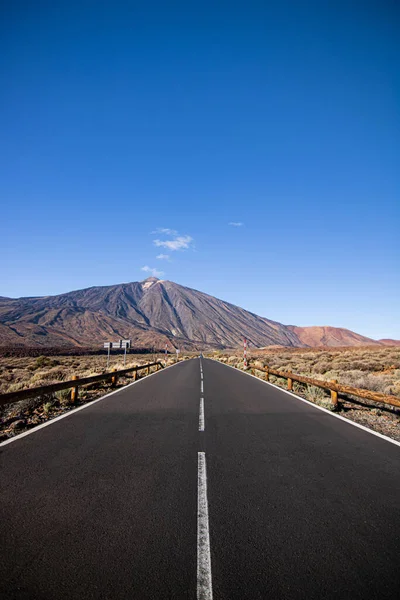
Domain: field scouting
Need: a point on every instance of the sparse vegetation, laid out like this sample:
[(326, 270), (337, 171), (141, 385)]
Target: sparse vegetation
[(376, 369), (17, 373), (372, 368)]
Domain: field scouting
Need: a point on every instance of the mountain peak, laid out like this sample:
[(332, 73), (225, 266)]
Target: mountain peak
[(146, 283)]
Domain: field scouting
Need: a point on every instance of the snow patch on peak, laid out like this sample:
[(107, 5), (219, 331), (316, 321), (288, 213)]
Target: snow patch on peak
[(149, 282)]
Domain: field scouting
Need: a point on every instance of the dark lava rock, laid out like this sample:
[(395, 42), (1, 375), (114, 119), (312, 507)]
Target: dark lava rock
[(20, 424)]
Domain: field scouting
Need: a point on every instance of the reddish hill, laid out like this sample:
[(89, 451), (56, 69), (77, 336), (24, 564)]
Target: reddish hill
[(388, 342), (331, 336)]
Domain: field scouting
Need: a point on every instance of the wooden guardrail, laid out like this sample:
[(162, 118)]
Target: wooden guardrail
[(74, 384), (334, 387)]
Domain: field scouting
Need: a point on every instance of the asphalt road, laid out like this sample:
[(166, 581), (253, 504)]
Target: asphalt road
[(129, 499)]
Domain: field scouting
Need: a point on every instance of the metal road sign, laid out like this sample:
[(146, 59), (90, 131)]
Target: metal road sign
[(116, 344), (107, 344)]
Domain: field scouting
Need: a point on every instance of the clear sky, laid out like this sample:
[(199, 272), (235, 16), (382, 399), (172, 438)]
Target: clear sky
[(263, 135)]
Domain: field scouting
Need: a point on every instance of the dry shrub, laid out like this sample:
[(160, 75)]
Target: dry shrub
[(55, 374)]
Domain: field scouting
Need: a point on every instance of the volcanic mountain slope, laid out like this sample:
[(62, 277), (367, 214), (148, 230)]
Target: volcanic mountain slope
[(150, 312), (330, 336)]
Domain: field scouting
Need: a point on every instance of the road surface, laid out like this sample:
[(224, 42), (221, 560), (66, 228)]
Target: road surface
[(199, 484)]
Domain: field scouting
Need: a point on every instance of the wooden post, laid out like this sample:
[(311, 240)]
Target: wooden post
[(334, 395), (266, 373), (148, 370), (135, 375), (114, 379), (74, 391), (290, 383)]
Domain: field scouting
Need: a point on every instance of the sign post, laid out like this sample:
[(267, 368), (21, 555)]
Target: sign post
[(108, 346), (125, 344)]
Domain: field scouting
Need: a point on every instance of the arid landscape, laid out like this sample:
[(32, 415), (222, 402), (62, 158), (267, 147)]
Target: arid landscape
[(372, 368), (44, 340), (17, 373)]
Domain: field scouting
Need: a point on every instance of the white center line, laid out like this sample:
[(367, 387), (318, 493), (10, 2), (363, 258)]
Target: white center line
[(201, 415), (201, 386), (204, 582)]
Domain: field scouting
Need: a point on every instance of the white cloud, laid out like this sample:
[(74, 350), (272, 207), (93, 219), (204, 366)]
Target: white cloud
[(180, 242), (165, 230), (163, 256), (154, 272), (237, 224)]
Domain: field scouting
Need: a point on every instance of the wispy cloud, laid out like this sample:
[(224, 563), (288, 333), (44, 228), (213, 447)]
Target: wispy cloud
[(236, 224), (163, 256), (179, 242), (165, 231), (154, 272)]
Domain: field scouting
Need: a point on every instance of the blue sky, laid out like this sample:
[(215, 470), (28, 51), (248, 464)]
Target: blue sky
[(123, 119)]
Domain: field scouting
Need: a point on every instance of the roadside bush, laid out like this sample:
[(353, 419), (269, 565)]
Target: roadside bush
[(259, 364), (50, 375), (44, 361), (47, 406), (319, 396), (63, 396)]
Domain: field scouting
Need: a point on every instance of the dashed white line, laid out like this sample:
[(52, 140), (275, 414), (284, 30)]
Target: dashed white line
[(201, 415), (201, 386), (204, 581)]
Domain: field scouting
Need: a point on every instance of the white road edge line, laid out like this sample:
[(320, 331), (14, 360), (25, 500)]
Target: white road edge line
[(325, 410), (201, 415), (204, 581), (75, 410)]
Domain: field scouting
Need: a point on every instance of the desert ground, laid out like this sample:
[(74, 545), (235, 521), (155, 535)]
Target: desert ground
[(374, 368)]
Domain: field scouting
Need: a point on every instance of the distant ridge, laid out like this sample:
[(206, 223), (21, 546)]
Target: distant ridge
[(152, 312), (388, 342), (331, 336)]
